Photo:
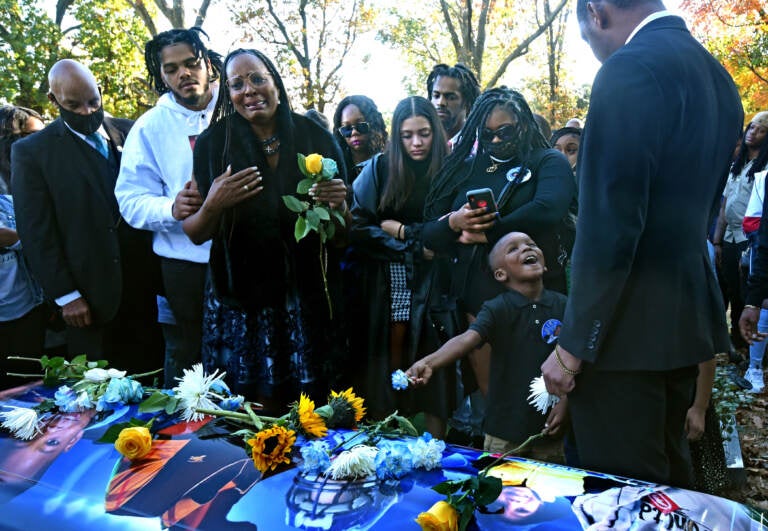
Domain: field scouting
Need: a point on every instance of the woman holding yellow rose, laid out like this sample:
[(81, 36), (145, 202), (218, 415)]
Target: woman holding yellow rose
[(267, 321)]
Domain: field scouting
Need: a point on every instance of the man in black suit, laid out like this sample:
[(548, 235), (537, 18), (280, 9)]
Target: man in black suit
[(645, 309), (99, 270)]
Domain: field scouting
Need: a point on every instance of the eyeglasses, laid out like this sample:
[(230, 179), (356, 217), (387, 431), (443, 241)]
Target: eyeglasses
[(361, 127), (504, 133), (255, 80)]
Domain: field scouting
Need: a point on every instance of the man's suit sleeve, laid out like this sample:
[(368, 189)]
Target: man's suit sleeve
[(36, 221), (617, 163)]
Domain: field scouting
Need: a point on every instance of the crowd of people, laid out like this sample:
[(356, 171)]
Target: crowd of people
[(461, 250)]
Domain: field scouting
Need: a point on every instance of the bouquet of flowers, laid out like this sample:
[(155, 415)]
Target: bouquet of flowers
[(85, 385)]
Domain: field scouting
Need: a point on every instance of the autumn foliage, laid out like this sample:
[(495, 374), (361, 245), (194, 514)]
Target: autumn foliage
[(737, 34)]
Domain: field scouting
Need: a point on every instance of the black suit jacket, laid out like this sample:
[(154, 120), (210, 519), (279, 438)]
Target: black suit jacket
[(68, 218), (663, 120)]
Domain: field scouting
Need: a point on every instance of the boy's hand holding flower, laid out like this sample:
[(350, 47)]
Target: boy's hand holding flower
[(419, 373)]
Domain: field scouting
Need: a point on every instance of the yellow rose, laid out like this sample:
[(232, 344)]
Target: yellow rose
[(440, 517), (134, 443), (314, 163)]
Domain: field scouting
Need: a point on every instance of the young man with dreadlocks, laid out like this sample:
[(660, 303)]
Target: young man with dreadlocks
[(155, 189), (452, 90)]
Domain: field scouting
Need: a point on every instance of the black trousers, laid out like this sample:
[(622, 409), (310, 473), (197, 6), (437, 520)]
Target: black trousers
[(184, 285), (632, 423), (24, 336), (732, 286)]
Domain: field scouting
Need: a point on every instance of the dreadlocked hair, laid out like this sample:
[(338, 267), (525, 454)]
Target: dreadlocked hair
[(758, 164), (470, 88), (401, 177), (191, 36), (453, 175), (225, 110), (377, 137), (13, 121)]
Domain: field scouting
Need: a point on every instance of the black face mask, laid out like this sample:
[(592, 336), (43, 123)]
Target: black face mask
[(501, 150), (80, 123)]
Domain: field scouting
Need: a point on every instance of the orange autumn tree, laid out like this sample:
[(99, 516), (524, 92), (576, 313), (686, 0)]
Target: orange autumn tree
[(737, 34)]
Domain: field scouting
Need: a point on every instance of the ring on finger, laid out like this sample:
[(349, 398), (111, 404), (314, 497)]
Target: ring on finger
[(245, 187)]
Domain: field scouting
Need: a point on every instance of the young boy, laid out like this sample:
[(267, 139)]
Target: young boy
[(520, 325)]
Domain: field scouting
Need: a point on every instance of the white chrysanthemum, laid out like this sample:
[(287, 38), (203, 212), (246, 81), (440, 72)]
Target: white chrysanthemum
[(194, 391), (102, 375), (539, 397), (359, 462), (22, 421)]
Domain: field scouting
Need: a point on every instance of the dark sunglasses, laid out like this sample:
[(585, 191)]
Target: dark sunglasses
[(361, 127), (505, 133), (255, 79)]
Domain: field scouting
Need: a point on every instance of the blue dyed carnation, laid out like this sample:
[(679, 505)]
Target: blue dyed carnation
[(399, 380), (66, 399), (232, 403), (393, 461), (427, 452), (315, 458)]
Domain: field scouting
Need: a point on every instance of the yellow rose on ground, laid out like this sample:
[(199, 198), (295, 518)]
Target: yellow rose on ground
[(134, 443), (440, 517), (314, 163)]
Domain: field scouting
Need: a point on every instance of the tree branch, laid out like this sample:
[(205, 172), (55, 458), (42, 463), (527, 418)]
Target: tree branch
[(522, 48), (202, 13)]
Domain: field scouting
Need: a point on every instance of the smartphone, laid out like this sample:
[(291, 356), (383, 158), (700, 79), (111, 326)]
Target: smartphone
[(482, 198)]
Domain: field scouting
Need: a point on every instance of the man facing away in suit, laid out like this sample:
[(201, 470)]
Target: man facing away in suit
[(644, 309), (97, 269)]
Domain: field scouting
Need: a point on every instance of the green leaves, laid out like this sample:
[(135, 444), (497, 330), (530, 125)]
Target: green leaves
[(294, 205), (466, 495)]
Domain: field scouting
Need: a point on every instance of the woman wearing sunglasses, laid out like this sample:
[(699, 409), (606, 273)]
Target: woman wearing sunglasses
[(269, 324), (387, 215), (360, 131), (532, 187)]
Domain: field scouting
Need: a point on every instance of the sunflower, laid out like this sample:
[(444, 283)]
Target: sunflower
[(270, 447), (308, 420), (347, 408)]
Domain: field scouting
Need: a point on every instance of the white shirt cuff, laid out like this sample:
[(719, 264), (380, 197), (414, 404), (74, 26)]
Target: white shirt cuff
[(69, 297)]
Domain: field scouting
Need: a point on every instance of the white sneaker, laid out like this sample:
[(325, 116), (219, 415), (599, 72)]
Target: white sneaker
[(755, 377)]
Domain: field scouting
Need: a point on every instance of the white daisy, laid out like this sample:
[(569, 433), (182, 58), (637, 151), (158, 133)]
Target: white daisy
[(194, 391), (359, 462), (22, 421), (539, 397)]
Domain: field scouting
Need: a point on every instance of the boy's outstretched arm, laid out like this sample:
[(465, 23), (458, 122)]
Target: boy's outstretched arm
[(457, 347)]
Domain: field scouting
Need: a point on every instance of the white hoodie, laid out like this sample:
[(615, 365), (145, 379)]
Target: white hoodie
[(155, 166)]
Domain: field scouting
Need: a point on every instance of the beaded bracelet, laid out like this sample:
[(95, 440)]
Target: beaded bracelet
[(566, 370)]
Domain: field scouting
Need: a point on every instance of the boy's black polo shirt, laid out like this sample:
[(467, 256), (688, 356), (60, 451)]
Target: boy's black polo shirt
[(512, 324)]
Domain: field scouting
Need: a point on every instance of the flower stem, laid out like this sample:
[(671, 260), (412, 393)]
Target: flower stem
[(25, 375), (22, 358), (150, 373), (233, 415), (323, 268), (520, 448)]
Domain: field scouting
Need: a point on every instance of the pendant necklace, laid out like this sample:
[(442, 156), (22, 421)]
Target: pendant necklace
[(495, 164), (271, 145)]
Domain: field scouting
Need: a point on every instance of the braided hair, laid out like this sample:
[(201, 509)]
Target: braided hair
[(191, 36), (224, 109), (470, 88), (377, 138), (13, 121), (758, 164), (453, 174)]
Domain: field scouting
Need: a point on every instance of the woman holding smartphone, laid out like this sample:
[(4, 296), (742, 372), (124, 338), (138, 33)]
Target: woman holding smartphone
[(386, 232), (532, 187)]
